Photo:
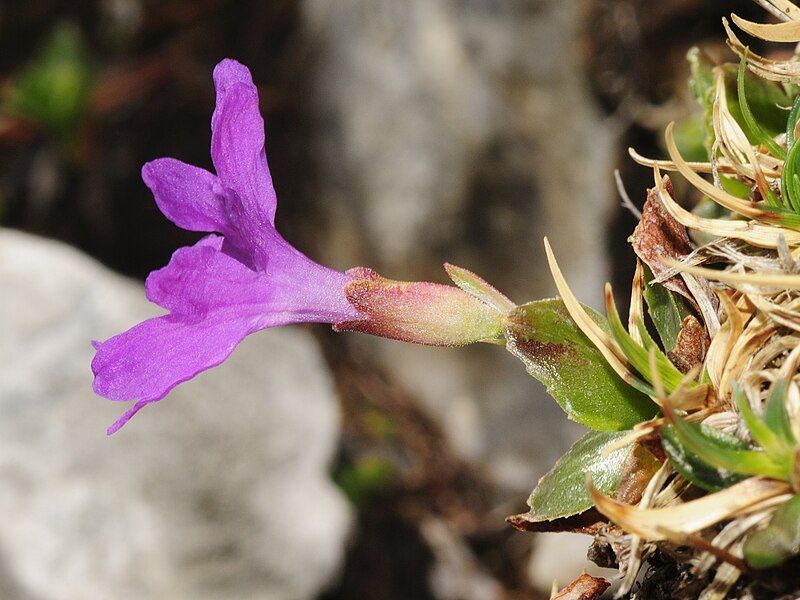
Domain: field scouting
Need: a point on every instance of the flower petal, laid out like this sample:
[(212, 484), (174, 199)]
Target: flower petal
[(185, 194), (293, 289), (312, 292), (148, 360), (202, 278), (237, 147)]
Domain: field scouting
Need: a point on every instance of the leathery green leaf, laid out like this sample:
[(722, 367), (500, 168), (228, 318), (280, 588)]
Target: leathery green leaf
[(562, 491), (779, 541), (546, 339)]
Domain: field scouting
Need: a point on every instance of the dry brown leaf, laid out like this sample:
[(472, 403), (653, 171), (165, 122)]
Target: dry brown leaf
[(691, 345), (584, 587), (659, 235), (588, 522), (674, 522), (637, 471), (788, 31)]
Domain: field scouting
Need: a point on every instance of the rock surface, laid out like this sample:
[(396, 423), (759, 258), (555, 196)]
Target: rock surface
[(462, 131), (220, 491)]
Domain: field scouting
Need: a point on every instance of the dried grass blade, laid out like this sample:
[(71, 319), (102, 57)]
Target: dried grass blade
[(777, 32), (673, 522)]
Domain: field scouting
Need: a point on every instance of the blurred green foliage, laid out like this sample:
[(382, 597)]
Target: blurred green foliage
[(52, 90), (365, 477)]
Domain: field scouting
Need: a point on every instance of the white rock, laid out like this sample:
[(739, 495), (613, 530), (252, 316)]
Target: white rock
[(462, 131), (219, 491)]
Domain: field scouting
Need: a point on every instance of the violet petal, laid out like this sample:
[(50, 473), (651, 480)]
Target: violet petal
[(237, 146), (185, 194), (201, 278), (148, 360)]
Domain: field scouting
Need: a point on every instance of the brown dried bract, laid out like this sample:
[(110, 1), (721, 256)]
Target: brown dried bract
[(691, 345), (588, 522), (584, 587), (637, 470), (657, 236)]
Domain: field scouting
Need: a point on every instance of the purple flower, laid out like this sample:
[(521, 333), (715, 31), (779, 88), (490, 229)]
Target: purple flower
[(243, 278)]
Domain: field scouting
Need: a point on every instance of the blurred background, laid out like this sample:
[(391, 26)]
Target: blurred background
[(401, 134)]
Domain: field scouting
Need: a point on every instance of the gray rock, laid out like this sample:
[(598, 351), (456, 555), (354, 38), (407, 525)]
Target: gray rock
[(219, 491), (461, 130)]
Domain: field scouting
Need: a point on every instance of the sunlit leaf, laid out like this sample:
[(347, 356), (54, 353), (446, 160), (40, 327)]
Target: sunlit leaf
[(760, 432), (546, 339), (766, 101), (776, 414), (562, 491), (720, 454), (639, 356)]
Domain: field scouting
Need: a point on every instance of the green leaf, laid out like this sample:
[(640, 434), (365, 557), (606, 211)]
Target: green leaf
[(766, 101), (701, 81), (562, 492), (720, 454), (366, 477), (791, 123), (639, 356), (666, 309), (734, 187), (776, 415), (761, 136), (546, 339), (690, 137), (701, 84), (695, 469), (779, 541), (759, 431)]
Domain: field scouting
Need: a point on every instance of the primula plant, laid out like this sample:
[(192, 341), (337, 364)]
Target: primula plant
[(691, 466)]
